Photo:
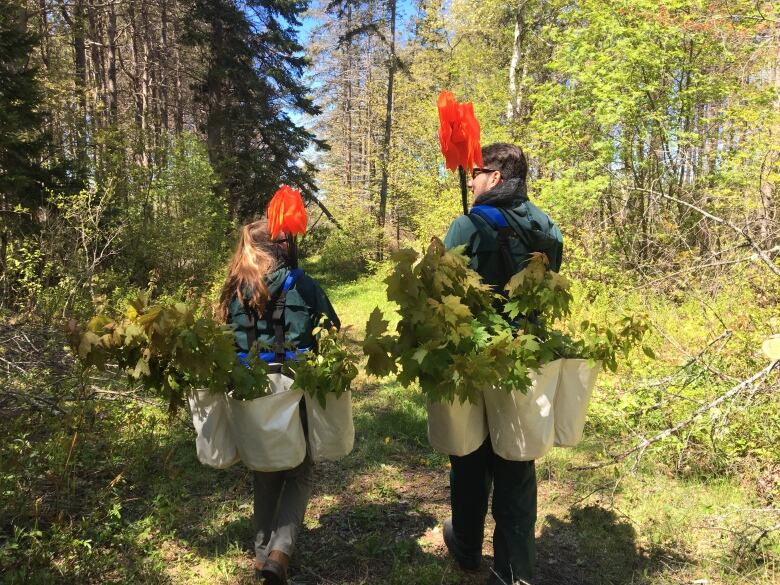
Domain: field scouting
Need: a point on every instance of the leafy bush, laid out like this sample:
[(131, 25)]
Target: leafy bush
[(349, 252), (178, 229)]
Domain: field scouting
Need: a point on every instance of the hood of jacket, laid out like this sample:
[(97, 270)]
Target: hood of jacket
[(275, 279)]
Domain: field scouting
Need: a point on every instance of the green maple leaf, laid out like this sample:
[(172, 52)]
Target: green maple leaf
[(376, 324), (454, 310)]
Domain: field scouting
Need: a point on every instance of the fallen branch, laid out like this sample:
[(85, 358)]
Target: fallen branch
[(127, 395), (641, 447), (325, 210), (37, 402), (762, 254)]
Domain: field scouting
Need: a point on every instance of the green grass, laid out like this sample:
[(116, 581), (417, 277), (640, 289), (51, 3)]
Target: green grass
[(111, 492)]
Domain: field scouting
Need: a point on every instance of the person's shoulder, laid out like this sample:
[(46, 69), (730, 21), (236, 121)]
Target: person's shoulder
[(306, 283), (304, 279), (460, 231)]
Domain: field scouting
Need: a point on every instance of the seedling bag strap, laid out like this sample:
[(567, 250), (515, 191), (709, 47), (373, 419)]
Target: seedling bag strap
[(278, 314)]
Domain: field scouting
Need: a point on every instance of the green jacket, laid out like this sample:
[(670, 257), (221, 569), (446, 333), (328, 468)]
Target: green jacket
[(534, 231), (306, 304)]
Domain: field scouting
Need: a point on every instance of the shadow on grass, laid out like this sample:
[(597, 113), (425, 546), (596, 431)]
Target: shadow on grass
[(368, 543), (596, 547), (328, 278)]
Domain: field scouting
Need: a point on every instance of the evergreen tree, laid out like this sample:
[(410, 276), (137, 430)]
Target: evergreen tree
[(21, 140), (252, 85), (22, 178)]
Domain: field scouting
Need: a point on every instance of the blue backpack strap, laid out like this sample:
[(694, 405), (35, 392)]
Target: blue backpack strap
[(496, 220), (491, 215), (292, 276), (279, 354)]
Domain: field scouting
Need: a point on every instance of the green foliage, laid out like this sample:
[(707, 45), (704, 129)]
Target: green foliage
[(455, 342), (539, 302), (252, 83), (348, 252), (23, 139), (177, 227), (449, 338), (170, 349), (537, 295), (331, 369)]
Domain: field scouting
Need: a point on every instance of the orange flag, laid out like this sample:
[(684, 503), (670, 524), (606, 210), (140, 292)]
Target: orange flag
[(286, 212), (458, 133)]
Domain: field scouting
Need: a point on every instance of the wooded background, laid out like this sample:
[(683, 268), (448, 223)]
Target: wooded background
[(137, 135)]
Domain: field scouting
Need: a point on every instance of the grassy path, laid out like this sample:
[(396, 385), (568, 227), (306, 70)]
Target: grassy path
[(127, 502)]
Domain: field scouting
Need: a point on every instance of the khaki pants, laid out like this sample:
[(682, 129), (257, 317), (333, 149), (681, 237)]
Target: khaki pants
[(281, 498)]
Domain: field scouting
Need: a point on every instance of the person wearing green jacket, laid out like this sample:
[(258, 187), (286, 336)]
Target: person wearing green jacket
[(499, 234), (264, 270)]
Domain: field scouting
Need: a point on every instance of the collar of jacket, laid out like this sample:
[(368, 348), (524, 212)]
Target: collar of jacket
[(509, 193)]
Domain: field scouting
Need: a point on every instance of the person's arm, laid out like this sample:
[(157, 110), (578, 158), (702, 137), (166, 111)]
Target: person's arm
[(317, 301), (324, 308)]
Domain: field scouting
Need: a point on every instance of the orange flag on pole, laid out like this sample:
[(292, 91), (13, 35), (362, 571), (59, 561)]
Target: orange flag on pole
[(286, 212)]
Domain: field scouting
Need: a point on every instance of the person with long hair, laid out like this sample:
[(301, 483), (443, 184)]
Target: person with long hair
[(264, 296)]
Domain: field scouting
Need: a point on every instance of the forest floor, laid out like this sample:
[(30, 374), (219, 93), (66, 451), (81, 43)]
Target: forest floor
[(124, 500)]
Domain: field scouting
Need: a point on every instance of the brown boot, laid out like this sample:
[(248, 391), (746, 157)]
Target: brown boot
[(258, 569), (275, 569)]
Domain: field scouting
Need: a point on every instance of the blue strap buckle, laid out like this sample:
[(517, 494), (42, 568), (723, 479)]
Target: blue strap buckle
[(270, 357)]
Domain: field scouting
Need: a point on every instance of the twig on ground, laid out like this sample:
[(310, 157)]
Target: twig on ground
[(36, 401), (128, 395), (641, 447)]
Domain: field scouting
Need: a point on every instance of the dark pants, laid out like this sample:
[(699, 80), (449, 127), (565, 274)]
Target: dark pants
[(514, 510)]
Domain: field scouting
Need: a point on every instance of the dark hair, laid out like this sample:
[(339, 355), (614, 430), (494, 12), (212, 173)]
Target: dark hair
[(508, 159)]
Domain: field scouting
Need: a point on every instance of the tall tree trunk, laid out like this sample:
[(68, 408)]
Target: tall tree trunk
[(348, 100), (99, 84), (43, 32), (388, 126), (514, 104), (139, 86), (148, 79), (164, 67), (214, 81), (76, 23), (178, 118), (113, 98)]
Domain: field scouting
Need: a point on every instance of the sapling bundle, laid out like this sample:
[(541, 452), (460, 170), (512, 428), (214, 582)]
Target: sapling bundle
[(450, 338), (171, 348), (330, 370), (539, 301)]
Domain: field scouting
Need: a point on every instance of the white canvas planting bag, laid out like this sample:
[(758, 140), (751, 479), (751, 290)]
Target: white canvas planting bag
[(331, 431), (268, 431), (214, 442), (521, 425), (571, 401), (457, 428)]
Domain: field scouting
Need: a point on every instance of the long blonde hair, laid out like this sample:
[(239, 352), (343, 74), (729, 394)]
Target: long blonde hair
[(253, 259)]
